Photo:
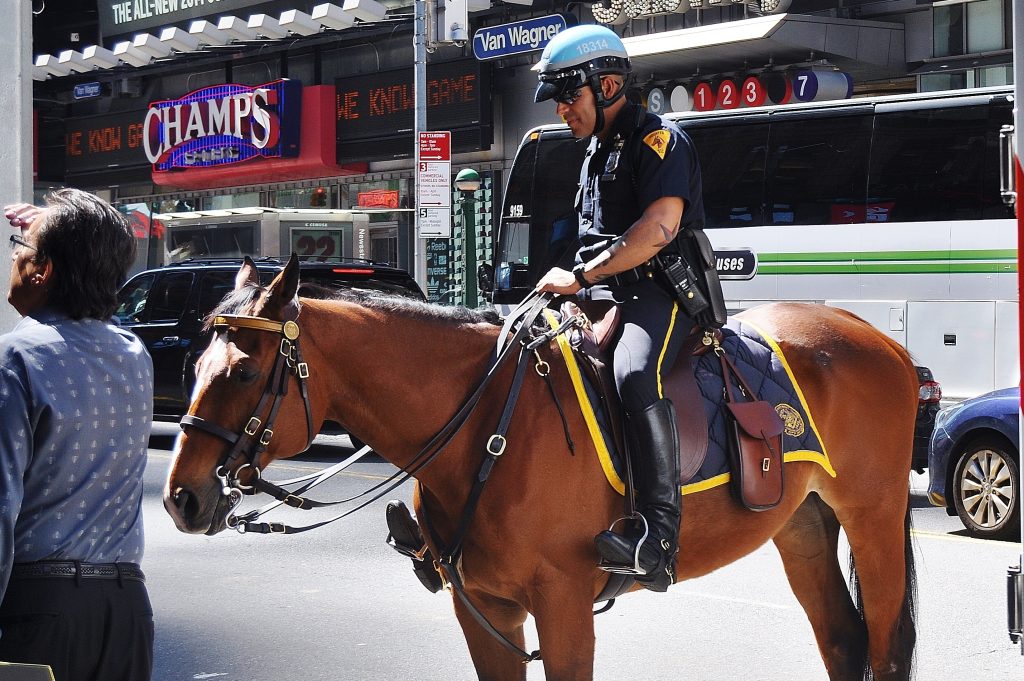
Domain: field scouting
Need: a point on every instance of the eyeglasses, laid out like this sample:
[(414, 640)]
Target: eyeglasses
[(568, 97), (18, 241)]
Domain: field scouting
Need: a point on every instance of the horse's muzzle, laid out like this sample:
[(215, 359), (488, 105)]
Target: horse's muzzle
[(185, 509)]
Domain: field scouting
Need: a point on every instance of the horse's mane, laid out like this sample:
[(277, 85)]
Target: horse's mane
[(234, 302), (243, 298), (395, 303)]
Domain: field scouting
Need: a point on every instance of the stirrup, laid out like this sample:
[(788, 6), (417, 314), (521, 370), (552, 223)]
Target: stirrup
[(625, 568)]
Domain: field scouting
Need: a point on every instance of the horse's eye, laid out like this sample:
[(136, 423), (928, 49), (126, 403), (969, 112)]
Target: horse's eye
[(246, 374)]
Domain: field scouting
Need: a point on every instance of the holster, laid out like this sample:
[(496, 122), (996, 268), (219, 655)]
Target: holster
[(754, 441), (695, 247)]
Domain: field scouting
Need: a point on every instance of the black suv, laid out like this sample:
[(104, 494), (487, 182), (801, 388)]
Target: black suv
[(165, 307)]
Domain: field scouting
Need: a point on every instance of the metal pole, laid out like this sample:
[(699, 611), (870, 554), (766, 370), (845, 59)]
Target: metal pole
[(469, 244), (419, 41), (1015, 581), (16, 113)]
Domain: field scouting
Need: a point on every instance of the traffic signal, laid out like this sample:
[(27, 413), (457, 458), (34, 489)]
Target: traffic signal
[(318, 198)]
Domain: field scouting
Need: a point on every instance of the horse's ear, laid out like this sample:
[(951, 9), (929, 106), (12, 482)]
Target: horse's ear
[(284, 287), (247, 274)]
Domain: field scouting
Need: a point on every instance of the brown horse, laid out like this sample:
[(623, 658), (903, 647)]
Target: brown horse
[(393, 372)]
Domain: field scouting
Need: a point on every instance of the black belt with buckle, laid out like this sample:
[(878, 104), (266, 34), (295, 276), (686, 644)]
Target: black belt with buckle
[(73, 569), (632, 276)]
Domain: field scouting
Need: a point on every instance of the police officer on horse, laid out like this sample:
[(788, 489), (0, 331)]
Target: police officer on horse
[(638, 202)]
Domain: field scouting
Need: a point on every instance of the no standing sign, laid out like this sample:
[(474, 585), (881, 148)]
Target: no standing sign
[(434, 180)]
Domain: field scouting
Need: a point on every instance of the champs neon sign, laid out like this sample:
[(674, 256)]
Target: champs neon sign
[(224, 124)]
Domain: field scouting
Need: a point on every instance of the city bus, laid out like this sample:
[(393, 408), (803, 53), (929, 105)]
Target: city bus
[(891, 207)]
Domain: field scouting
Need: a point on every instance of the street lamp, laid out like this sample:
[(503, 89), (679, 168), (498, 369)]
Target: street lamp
[(468, 182)]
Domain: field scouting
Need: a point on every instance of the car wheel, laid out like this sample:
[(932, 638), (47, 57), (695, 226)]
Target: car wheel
[(986, 489)]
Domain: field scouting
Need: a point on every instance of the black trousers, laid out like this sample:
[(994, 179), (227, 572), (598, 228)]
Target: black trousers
[(651, 334), (86, 630)]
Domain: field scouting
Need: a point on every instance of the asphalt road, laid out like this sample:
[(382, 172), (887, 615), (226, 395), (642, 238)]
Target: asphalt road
[(337, 603)]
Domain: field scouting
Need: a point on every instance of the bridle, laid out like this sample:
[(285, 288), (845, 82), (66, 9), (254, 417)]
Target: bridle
[(258, 431)]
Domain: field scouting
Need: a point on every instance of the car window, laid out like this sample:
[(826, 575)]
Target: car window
[(212, 289), (168, 297), (131, 301)]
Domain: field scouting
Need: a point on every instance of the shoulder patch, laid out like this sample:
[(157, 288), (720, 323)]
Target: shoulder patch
[(658, 142)]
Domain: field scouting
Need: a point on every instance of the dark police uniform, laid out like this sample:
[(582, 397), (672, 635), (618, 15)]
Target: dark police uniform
[(644, 158)]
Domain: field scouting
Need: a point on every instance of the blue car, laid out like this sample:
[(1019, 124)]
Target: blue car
[(973, 464)]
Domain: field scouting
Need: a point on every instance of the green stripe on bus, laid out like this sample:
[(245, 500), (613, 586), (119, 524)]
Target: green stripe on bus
[(888, 256), (894, 268)]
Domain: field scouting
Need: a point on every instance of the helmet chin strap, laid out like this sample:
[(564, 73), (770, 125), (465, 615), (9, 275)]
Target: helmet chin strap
[(600, 103)]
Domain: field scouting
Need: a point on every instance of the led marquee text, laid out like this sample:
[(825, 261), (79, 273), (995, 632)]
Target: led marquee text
[(393, 99)]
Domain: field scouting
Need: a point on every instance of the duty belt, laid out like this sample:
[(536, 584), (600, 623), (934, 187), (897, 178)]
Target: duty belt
[(632, 276), (74, 569)]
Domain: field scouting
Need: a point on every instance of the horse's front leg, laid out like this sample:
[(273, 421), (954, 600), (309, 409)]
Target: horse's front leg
[(565, 627), (492, 660)]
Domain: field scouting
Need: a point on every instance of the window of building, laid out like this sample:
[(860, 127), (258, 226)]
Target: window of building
[(305, 197), (223, 201), (384, 246), (935, 82), (995, 75), (969, 27), (985, 26)]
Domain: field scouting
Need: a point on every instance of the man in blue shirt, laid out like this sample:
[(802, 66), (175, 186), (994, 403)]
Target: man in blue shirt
[(76, 397)]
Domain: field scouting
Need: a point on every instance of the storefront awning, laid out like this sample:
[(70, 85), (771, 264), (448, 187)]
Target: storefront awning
[(867, 50)]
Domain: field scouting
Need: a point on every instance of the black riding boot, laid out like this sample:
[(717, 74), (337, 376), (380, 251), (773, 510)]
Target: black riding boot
[(656, 458)]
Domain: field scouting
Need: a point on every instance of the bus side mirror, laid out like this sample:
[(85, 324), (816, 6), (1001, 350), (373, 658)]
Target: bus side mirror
[(485, 278)]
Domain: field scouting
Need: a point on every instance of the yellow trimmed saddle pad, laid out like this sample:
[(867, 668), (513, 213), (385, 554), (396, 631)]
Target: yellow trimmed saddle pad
[(763, 366)]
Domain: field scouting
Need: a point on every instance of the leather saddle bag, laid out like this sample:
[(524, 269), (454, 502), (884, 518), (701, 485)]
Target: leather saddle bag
[(754, 435)]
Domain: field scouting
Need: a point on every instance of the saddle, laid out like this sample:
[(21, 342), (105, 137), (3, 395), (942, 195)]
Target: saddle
[(680, 386), (754, 428)]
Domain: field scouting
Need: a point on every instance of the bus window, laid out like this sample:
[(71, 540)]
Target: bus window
[(928, 164), (513, 253), (817, 169), (538, 223), (732, 158), (559, 160)]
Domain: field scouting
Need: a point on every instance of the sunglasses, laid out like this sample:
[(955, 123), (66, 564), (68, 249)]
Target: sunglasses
[(568, 96), (19, 242)]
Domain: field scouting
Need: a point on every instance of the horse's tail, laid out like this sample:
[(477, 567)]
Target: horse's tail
[(905, 633)]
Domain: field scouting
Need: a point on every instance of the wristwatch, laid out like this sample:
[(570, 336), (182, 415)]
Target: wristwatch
[(578, 273)]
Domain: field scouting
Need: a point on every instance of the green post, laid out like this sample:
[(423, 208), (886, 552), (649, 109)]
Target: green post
[(468, 182)]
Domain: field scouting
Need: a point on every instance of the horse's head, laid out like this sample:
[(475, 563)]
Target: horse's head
[(250, 378)]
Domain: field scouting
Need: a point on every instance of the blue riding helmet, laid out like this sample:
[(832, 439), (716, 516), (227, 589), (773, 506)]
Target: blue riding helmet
[(579, 55)]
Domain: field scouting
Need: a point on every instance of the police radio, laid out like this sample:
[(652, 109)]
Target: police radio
[(680, 278)]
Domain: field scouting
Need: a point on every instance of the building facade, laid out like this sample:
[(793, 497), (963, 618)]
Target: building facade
[(215, 106)]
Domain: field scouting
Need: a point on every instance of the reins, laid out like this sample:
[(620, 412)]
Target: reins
[(515, 334)]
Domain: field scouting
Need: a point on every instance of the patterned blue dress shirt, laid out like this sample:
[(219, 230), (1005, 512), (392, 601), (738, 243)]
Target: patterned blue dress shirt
[(76, 401)]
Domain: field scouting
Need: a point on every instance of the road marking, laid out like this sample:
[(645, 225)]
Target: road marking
[(728, 599), (927, 534)]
